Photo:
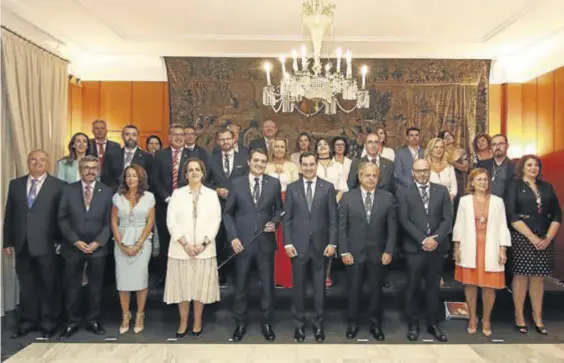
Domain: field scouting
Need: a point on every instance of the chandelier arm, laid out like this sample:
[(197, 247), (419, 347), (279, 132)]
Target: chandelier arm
[(344, 109), (276, 110), (308, 115)]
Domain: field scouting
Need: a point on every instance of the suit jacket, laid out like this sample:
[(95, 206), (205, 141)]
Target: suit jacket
[(78, 224), (162, 173), (403, 165), (111, 146), (500, 185), (413, 219), (198, 153), (386, 180), (244, 220), (367, 239), (113, 166), (36, 225), (302, 227), (242, 149), (216, 176)]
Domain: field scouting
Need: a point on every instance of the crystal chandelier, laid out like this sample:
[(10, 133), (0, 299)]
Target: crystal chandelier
[(311, 84)]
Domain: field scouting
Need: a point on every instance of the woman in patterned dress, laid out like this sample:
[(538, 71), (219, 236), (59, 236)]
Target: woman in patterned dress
[(287, 172), (534, 212)]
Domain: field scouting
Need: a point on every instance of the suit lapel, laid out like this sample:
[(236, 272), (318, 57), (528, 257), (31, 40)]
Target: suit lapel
[(418, 200), (360, 203), (247, 186), (80, 192), (22, 190), (121, 161), (317, 194), (168, 155), (44, 190), (262, 191)]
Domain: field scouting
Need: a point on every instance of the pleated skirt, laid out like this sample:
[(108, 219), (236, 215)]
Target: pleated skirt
[(191, 280)]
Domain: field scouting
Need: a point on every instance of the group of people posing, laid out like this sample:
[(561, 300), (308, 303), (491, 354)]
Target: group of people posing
[(289, 215)]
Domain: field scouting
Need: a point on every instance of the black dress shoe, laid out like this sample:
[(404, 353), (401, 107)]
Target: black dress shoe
[(22, 331), (47, 333), (352, 331), (268, 333), (437, 333), (181, 335), (377, 333), (318, 333), (197, 334), (95, 327), (413, 332), (299, 335), (68, 332), (239, 333)]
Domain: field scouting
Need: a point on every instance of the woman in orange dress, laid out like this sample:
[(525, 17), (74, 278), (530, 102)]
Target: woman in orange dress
[(287, 172), (481, 237)]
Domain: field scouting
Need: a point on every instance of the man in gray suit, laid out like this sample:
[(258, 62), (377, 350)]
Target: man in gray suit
[(367, 238), (426, 220), (406, 155), (84, 220), (254, 201), (386, 180), (310, 235)]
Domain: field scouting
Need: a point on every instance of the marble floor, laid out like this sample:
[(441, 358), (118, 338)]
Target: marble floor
[(286, 353)]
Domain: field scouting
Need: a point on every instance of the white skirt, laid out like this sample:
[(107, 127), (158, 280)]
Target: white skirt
[(191, 280)]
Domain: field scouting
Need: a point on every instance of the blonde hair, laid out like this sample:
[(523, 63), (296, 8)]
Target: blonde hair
[(271, 151), (429, 150)]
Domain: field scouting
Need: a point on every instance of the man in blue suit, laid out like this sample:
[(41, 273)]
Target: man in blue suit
[(406, 155)]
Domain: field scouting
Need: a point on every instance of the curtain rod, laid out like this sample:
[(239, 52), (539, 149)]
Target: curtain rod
[(37, 45)]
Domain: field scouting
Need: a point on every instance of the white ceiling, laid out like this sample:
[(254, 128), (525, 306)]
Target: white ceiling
[(124, 39)]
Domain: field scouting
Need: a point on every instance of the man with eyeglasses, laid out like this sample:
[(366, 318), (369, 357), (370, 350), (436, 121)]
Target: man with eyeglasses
[(194, 151), (501, 169), (425, 214)]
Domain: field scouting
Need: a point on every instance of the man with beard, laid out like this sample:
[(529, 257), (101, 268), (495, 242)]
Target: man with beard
[(501, 169), (254, 201), (237, 141), (116, 161), (84, 220)]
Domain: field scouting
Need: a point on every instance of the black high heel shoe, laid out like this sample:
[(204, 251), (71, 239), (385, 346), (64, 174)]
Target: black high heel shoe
[(197, 334), (541, 330), (181, 335), (522, 329)]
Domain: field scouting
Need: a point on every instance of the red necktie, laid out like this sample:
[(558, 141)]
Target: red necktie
[(101, 154), (175, 166)]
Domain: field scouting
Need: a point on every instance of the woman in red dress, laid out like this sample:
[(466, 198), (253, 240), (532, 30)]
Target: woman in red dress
[(287, 172)]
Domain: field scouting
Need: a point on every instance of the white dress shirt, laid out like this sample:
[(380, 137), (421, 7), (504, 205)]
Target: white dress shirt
[(313, 184), (39, 184)]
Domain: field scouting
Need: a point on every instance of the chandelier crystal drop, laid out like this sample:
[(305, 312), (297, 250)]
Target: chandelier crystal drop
[(317, 83)]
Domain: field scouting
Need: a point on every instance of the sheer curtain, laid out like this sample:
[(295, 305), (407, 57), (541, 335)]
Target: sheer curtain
[(34, 115)]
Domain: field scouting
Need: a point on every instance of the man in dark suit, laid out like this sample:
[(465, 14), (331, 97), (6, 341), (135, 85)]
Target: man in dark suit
[(194, 151), (100, 146), (310, 235), (254, 201), (269, 131), (367, 238), (386, 180), (426, 221), (406, 155), (116, 161), (237, 140), (167, 176), (223, 169), (84, 220), (31, 232)]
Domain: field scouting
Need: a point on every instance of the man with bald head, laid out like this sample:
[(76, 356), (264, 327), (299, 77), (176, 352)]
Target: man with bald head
[(425, 214), (269, 131), (30, 233)]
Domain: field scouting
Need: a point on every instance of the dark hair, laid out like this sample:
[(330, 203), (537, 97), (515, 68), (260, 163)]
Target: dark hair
[(200, 163), (442, 134), (259, 151), (306, 134), (72, 153), (223, 131), (520, 166), (130, 127), (189, 127), (385, 133), (328, 143), (412, 128), (478, 137), (343, 139), (307, 154), (151, 137), (143, 181), (501, 135)]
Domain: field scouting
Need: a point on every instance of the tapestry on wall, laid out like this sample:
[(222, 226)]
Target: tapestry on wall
[(430, 94)]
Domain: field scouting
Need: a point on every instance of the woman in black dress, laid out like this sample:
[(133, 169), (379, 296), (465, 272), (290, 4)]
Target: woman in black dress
[(535, 215)]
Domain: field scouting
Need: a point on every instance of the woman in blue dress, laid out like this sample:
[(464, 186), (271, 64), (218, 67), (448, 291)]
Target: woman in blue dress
[(133, 215), (67, 167)]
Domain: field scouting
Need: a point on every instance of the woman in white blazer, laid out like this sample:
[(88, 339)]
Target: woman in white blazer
[(481, 237), (193, 219)]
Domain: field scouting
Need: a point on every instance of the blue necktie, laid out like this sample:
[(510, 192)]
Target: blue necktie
[(32, 193)]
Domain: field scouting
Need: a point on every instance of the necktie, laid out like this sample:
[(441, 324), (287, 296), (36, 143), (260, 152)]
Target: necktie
[(87, 196), (175, 167), (32, 192), (128, 158), (425, 198), (256, 190), (368, 204), (374, 161), (101, 154), (309, 195), (227, 165)]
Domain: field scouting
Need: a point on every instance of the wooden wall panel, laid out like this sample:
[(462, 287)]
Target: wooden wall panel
[(90, 105), (116, 104), (529, 120), (514, 117), (545, 113), (559, 109), (147, 107), (494, 107)]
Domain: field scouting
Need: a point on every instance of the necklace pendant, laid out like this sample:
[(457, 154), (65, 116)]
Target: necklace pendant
[(482, 220)]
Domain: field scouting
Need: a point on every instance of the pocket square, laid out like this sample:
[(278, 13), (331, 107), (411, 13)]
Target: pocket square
[(239, 166)]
